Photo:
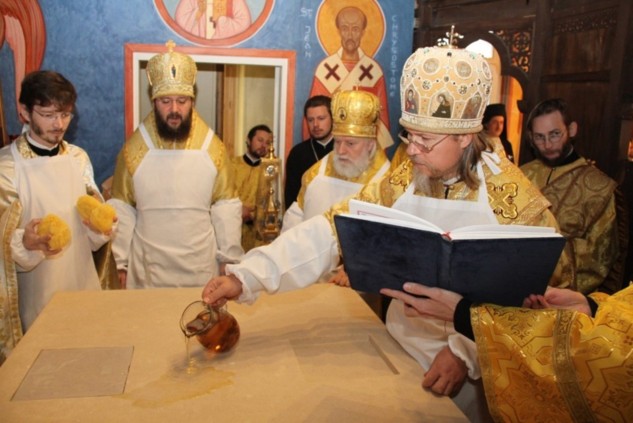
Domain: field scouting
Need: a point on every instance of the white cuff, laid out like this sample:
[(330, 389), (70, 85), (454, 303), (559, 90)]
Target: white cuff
[(97, 239), (25, 259), (466, 350)]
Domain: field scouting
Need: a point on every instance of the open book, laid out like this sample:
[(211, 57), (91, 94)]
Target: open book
[(500, 264)]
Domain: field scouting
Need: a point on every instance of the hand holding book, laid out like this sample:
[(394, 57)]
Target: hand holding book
[(502, 264), (421, 300)]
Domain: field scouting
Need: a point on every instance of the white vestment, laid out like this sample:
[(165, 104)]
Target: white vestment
[(48, 185)]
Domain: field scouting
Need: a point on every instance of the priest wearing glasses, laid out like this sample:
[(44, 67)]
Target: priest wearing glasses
[(42, 175), (452, 178)]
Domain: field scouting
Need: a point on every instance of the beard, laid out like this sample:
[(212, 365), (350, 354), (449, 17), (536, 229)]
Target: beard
[(560, 160), (52, 137), (351, 169), (261, 152), (323, 137), (177, 134), (427, 185), (351, 45)]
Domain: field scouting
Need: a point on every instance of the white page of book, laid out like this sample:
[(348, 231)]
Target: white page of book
[(423, 226), (379, 213)]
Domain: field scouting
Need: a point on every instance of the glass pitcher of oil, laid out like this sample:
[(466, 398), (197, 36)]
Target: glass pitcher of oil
[(214, 327)]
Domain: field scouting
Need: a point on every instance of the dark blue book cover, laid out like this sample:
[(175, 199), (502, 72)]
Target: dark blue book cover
[(493, 270)]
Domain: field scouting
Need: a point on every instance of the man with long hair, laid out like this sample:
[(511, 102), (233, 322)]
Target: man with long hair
[(453, 179)]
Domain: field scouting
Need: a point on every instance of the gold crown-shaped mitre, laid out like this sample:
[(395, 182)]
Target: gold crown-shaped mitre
[(355, 114), (444, 90), (171, 73)]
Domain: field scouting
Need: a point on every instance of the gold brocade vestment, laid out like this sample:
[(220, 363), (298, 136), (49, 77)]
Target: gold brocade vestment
[(583, 203), (246, 179), (558, 365)]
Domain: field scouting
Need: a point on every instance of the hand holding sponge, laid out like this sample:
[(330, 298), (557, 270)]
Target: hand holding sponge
[(100, 215), (53, 225)]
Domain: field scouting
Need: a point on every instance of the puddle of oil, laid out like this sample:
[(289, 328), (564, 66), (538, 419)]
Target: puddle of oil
[(178, 385)]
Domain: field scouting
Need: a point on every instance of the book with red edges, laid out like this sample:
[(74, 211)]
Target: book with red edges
[(499, 264)]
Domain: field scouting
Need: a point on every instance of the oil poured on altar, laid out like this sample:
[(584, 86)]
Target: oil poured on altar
[(214, 327)]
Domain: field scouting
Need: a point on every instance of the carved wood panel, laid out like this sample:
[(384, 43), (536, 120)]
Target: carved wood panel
[(581, 44)]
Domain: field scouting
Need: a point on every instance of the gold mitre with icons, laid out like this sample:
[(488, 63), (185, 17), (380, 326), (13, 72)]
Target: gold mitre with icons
[(444, 89), (355, 113), (171, 73)]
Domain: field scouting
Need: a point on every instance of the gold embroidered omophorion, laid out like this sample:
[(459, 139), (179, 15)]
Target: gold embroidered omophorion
[(558, 365)]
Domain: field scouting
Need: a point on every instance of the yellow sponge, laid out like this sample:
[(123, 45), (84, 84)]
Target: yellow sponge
[(100, 215), (59, 231), (103, 217), (85, 205)]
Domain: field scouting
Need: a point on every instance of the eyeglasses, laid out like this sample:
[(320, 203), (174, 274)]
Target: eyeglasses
[(418, 140), (554, 137), (52, 116)]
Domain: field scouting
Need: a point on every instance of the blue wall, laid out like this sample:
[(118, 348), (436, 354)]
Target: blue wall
[(85, 40)]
